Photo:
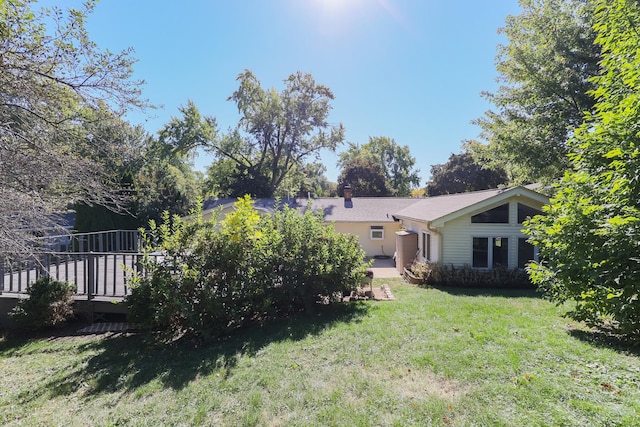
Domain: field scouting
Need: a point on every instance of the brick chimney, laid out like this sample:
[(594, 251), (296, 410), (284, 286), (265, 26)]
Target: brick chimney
[(347, 196), (347, 193)]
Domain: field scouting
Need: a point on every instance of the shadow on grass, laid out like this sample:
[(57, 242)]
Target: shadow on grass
[(607, 339), (491, 292), (125, 362)]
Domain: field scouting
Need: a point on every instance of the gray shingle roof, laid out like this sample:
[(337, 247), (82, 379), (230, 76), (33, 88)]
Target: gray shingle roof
[(436, 207), (367, 209), (384, 209), (433, 208)]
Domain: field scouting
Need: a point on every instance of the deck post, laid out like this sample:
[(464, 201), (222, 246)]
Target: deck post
[(91, 275)]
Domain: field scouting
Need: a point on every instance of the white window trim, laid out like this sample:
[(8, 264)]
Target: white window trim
[(376, 229), (426, 252), (490, 242)]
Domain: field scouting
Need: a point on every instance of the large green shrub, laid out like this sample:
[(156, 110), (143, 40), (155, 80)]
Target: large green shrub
[(50, 303), (213, 277), (308, 260), (589, 239)]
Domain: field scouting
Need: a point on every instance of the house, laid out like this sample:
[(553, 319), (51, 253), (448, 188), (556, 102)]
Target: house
[(482, 229), (369, 218)]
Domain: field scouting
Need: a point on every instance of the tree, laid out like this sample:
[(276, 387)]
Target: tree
[(460, 174), (365, 177), (396, 162), (308, 180), (167, 182), (277, 132), (53, 79), (182, 136), (118, 147), (545, 72), (589, 238)]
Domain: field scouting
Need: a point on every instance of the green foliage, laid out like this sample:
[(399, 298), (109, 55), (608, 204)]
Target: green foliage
[(544, 84), (309, 259), (214, 277), (396, 162), (181, 136), (305, 180), (166, 181), (590, 238), (437, 274), (365, 176), (60, 128), (462, 173), (277, 133), (49, 304)]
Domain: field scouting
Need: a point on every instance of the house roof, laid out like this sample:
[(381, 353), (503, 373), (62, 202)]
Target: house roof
[(437, 209), (443, 208), (367, 209)]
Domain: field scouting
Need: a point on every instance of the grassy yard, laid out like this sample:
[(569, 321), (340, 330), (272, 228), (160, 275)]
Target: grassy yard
[(431, 357)]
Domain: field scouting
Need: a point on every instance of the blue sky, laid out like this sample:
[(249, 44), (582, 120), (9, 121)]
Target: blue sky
[(411, 70)]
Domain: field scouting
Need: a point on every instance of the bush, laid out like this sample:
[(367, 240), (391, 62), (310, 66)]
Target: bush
[(308, 261), (436, 274), (50, 304), (216, 277)]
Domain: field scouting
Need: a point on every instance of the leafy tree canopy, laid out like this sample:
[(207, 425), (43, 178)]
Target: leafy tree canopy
[(308, 180), (277, 133), (54, 81), (590, 237), (462, 173), (167, 181), (545, 72), (396, 162), (365, 176)]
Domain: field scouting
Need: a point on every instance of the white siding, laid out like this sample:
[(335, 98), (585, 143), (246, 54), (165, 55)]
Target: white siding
[(457, 235), (453, 243)]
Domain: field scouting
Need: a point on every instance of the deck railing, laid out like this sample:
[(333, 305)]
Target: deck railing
[(100, 241), (95, 274), (99, 264)]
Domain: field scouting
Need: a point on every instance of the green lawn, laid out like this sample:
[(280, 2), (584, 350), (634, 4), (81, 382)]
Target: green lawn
[(429, 358)]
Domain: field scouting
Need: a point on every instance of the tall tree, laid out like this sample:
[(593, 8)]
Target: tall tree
[(396, 161), (277, 132), (544, 73), (365, 177), (167, 181), (590, 237), (462, 173), (52, 79)]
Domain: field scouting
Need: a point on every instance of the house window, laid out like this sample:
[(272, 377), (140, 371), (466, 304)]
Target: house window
[(525, 212), (490, 251), (500, 252), (497, 215), (426, 246), (376, 232), (480, 252), (526, 252)]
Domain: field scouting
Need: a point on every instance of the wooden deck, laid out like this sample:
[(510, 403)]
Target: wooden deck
[(95, 275)]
